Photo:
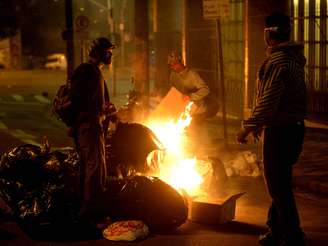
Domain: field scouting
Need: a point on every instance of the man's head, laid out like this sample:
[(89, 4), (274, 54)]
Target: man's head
[(175, 62), (101, 50), (276, 29)]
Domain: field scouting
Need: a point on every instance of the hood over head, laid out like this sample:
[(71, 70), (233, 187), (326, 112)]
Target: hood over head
[(294, 49)]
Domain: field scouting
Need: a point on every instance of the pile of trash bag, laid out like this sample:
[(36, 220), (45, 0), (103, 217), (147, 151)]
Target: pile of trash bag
[(41, 187), (128, 147)]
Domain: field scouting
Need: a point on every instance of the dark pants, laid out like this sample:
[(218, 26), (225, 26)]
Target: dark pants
[(281, 149), (90, 144)]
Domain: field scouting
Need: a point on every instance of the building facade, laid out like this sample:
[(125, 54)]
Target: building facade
[(310, 26), (244, 50)]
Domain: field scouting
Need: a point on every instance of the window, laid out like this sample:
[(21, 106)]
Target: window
[(311, 17)]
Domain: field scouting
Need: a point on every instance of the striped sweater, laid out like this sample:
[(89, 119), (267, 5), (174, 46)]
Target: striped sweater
[(280, 97)]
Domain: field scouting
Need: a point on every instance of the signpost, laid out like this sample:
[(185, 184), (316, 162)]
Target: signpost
[(217, 10), (68, 37), (81, 23)]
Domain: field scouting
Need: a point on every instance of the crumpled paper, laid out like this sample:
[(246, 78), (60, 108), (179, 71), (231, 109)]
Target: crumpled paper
[(245, 163)]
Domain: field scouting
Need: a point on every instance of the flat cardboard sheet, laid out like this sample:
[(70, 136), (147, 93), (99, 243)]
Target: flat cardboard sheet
[(171, 106)]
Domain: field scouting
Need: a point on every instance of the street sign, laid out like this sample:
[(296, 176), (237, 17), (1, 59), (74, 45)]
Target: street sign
[(81, 22), (215, 9)]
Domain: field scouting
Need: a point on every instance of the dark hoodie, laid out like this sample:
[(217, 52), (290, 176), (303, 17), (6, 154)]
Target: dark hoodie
[(280, 97)]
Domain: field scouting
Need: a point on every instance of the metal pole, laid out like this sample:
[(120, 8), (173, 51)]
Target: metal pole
[(221, 76), (246, 63), (184, 31), (142, 48), (122, 27), (82, 50), (112, 33), (69, 38)]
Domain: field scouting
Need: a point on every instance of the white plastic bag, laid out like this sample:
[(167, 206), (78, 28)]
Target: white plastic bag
[(128, 230)]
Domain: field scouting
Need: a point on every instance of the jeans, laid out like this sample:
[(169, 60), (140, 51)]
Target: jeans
[(281, 149)]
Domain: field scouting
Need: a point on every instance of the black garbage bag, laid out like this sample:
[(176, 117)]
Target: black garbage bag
[(148, 199), (128, 147), (24, 164), (20, 172), (40, 189)]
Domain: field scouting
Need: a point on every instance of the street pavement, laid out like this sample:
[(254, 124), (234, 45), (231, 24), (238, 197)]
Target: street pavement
[(244, 230), (310, 179), (25, 107)]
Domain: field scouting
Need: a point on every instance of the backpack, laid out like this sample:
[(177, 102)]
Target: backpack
[(63, 107)]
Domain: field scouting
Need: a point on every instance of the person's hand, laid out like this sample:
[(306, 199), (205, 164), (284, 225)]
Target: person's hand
[(185, 98), (110, 111), (242, 135), (109, 108), (257, 134)]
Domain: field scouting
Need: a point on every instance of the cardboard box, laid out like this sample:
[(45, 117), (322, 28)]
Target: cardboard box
[(213, 212)]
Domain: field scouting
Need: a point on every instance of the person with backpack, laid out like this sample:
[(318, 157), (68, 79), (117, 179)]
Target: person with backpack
[(90, 100)]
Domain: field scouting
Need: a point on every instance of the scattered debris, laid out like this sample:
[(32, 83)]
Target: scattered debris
[(244, 164)]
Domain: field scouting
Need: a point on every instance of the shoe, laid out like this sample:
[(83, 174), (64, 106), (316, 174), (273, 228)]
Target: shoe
[(270, 239)]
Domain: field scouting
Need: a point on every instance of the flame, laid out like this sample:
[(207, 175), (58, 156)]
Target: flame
[(183, 175), (171, 133), (176, 167)]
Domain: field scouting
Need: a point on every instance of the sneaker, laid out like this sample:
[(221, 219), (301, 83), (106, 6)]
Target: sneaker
[(269, 239)]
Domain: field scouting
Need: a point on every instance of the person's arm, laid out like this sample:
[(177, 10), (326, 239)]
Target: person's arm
[(266, 104), (202, 89)]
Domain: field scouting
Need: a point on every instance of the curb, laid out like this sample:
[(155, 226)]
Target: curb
[(313, 124)]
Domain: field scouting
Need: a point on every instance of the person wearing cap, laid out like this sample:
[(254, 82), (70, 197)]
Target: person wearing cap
[(192, 86), (90, 97), (279, 113)]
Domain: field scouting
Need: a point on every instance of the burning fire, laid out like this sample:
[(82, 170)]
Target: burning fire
[(176, 167)]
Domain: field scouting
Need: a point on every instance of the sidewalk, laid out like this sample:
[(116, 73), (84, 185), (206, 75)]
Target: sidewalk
[(311, 171)]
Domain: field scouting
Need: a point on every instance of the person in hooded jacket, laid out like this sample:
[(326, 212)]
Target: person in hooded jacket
[(279, 113)]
